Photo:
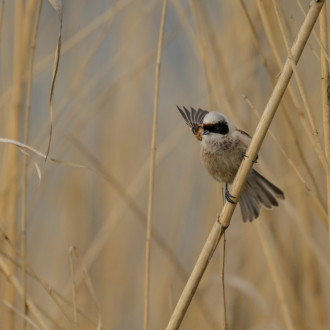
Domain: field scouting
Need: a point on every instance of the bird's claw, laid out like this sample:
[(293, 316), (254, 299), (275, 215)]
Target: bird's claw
[(244, 156), (228, 196)]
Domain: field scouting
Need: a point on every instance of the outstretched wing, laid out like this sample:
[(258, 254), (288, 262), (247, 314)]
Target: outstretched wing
[(194, 119)]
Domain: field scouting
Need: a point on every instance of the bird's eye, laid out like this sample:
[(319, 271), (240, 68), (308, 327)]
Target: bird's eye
[(221, 128)]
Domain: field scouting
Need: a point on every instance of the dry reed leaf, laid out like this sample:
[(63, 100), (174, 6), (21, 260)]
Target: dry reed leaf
[(57, 5), (25, 147), (34, 163)]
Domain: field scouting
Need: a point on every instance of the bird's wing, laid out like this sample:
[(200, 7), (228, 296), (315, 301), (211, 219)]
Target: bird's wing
[(248, 140), (194, 119), (244, 133)]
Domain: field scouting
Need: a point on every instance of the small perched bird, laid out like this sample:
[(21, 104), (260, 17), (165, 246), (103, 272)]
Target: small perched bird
[(223, 148)]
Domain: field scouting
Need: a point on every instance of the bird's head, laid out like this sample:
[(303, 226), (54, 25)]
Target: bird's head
[(216, 125)]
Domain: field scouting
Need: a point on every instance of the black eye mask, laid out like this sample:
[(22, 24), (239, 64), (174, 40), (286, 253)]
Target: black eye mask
[(220, 128)]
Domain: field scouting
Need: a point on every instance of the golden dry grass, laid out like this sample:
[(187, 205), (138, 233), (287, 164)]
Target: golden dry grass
[(84, 256)]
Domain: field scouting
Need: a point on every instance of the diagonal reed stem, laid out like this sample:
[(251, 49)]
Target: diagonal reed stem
[(220, 226)]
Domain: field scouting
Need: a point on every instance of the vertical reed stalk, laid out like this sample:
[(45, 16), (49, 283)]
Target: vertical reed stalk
[(11, 160), (2, 11), (152, 168), (33, 6), (326, 100), (224, 314)]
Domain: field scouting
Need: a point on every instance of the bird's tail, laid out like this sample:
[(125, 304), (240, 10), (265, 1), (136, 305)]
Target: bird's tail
[(258, 192)]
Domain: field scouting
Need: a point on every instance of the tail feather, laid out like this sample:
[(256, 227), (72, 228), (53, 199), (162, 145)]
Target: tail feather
[(265, 195), (249, 204), (244, 208), (258, 192), (277, 191)]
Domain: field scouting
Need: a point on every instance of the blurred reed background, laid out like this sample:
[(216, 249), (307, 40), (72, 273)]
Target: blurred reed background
[(84, 249)]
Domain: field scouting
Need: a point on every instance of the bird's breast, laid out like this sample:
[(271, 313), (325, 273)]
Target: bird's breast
[(221, 159)]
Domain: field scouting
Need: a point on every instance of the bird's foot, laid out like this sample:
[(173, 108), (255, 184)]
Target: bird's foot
[(228, 196), (244, 156)]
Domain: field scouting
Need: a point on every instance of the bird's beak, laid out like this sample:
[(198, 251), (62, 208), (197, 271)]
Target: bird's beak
[(206, 131)]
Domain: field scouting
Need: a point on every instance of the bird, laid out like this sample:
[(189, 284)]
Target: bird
[(223, 148)]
